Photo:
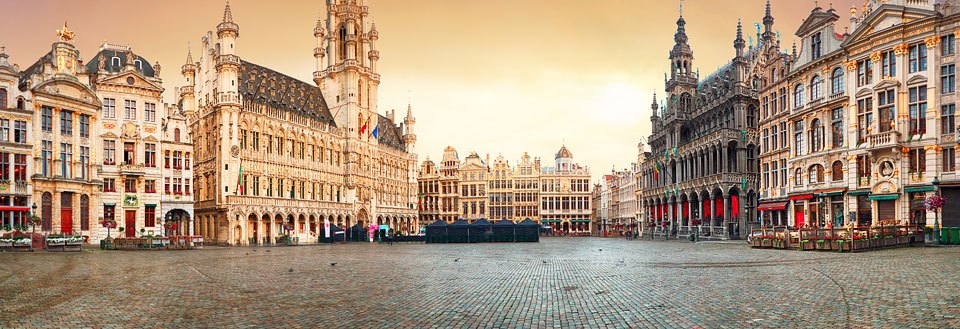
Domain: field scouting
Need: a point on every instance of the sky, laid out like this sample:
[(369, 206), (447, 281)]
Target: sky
[(492, 76)]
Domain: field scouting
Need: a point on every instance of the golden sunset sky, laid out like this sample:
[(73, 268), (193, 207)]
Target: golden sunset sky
[(491, 76)]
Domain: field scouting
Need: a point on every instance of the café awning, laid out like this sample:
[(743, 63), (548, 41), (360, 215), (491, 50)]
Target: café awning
[(773, 206)]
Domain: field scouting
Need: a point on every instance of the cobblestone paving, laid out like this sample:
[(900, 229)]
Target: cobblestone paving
[(558, 283)]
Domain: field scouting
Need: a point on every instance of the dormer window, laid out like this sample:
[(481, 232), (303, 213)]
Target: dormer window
[(816, 46), (138, 64), (115, 61)]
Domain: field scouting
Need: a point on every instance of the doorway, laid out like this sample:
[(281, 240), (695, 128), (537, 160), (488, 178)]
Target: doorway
[(130, 223), (66, 213)]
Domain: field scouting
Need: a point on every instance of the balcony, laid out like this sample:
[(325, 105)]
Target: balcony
[(131, 169), (887, 139), (228, 60), (228, 98)]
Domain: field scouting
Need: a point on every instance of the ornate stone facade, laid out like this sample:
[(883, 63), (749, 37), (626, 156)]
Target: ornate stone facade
[(871, 118), (129, 140), (555, 196), (16, 147), (276, 155), (91, 137), (701, 173)]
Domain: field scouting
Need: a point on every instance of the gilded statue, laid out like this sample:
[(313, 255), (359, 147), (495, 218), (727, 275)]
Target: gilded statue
[(64, 33)]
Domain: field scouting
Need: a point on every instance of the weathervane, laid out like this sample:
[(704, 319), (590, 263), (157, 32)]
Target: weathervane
[(64, 34)]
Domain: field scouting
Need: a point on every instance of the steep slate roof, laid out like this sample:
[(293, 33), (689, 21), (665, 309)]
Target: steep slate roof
[(93, 66), (264, 86), (27, 74), (389, 134)]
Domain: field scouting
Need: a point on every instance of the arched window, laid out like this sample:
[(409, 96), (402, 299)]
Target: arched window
[(816, 174), (21, 103), (837, 171), (815, 91), (46, 212), (115, 61), (138, 64), (798, 96), (816, 136), (836, 81), (3, 98), (84, 212), (176, 135), (798, 178), (342, 51)]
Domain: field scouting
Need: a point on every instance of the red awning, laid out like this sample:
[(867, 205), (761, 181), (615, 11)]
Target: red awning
[(801, 197), (14, 208), (772, 206)]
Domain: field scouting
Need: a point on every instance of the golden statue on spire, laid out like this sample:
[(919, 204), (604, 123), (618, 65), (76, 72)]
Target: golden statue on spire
[(64, 34)]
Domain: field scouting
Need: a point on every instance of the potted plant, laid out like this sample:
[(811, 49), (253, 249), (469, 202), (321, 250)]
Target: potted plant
[(766, 241), (825, 243)]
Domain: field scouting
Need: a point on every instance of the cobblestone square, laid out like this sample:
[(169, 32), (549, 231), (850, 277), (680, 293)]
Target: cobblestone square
[(558, 283)]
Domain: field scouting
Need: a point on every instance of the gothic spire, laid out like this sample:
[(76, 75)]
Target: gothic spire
[(189, 55), (768, 34), (227, 14)]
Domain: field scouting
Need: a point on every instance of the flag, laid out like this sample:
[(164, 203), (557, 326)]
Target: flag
[(376, 131), (363, 126), (240, 181)]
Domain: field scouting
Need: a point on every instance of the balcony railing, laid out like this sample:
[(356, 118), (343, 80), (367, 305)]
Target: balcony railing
[(884, 139), (228, 97), (131, 169)]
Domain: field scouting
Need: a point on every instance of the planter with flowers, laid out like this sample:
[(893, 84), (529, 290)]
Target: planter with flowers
[(825, 243), (766, 241)]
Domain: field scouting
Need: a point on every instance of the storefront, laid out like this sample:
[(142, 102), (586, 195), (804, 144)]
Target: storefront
[(886, 206), (916, 196), (773, 213), (950, 213), (864, 213)]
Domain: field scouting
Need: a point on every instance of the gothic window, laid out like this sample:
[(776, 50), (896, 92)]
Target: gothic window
[(343, 42)]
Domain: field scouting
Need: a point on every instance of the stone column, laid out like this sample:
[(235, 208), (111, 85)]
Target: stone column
[(273, 230), (700, 214), (726, 213)]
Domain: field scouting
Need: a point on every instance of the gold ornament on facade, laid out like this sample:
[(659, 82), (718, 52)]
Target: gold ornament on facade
[(900, 49), (876, 56), (851, 65), (64, 34), (932, 41)]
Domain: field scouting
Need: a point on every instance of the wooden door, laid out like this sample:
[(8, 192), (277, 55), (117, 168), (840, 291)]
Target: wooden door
[(66, 213), (798, 216), (130, 223), (66, 220)]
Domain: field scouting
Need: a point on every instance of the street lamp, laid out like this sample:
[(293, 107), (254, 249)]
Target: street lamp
[(936, 214), (33, 223)]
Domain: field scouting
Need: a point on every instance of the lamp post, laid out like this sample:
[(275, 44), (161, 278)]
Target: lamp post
[(936, 214), (33, 223)]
